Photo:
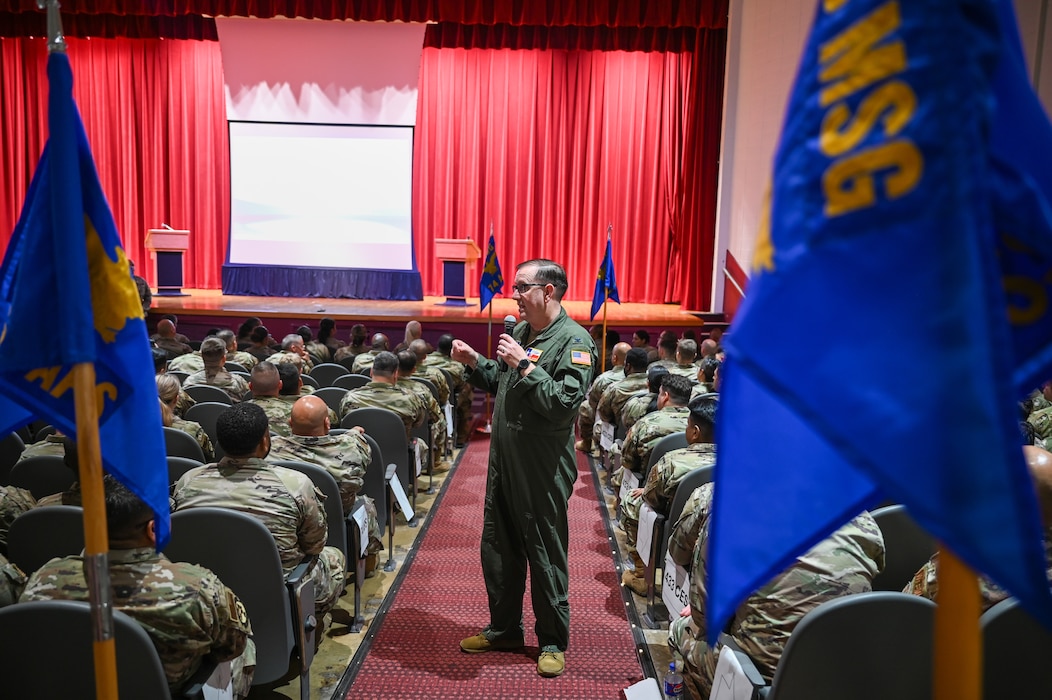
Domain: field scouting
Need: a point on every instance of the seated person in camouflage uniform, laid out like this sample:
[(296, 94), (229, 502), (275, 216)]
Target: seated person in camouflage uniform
[(186, 609), (259, 343), (433, 374), (671, 417), (292, 352), (266, 389), (664, 478), (213, 352), (165, 339), (706, 377), (346, 456), (319, 352), (842, 564), (168, 393), (462, 389), (586, 413), (12, 581), (618, 393), (51, 445), (436, 418), (686, 354), (642, 404), (232, 353), (666, 350), (364, 361), (13, 502), (383, 392), (282, 499), (926, 582), (356, 347)]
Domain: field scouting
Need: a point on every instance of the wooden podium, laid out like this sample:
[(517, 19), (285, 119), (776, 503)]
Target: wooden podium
[(455, 254), (167, 246)]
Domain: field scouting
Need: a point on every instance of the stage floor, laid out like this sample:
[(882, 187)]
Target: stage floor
[(213, 303)]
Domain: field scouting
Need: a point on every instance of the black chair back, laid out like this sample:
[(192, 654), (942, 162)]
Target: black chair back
[(1016, 653), (41, 534), (907, 547), (42, 475)]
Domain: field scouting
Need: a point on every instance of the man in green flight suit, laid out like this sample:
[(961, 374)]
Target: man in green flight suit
[(541, 376)]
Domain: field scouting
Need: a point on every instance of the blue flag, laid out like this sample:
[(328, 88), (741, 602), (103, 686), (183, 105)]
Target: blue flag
[(885, 216), (65, 270), (605, 282), (492, 281)]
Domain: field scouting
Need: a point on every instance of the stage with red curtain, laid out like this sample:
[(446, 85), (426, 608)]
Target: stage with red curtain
[(536, 120)]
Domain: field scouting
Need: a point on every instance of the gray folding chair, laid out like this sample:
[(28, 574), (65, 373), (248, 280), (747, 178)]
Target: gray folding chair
[(327, 373), (181, 376), (389, 432), (907, 547), (202, 393), (62, 630), (1016, 653), (41, 534), (241, 551), (42, 475), (332, 396), (866, 646), (206, 414), (310, 381), (181, 444), (351, 381), (324, 482), (235, 367), (675, 441), (177, 466)]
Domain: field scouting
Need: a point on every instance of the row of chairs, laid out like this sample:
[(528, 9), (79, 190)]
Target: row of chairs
[(41, 534)]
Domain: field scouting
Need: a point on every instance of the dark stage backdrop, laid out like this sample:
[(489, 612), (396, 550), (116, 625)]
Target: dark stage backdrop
[(551, 133)]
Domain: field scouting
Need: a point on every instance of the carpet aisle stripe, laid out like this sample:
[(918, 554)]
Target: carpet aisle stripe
[(442, 599)]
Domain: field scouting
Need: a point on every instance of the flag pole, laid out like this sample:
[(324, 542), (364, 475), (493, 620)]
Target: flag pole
[(96, 542), (89, 458), (957, 653), (489, 352), (606, 297)]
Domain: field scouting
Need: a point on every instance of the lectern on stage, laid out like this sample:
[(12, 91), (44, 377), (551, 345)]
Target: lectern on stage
[(167, 246), (455, 254)]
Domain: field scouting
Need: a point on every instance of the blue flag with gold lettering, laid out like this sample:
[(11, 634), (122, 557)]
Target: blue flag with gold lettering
[(605, 282), (892, 193), (65, 274), (492, 281)]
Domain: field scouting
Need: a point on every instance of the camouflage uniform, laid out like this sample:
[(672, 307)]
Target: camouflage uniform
[(661, 484), (282, 499), (319, 351), (197, 432), (51, 445), (1042, 422), (348, 351), (242, 358), (291, 358), (648, 430), (635, 408), (700, 389), (926, 582), (461, 388), (13, 502), (12, 581), (380, 395), (842, 564), (586, 413), (618, 393), (233, 384), (689, 371), (436, 418), (173, 348), (186, 609), (346, 456), (278, 411), (363, 361), (190, 362), (435, 376), (183, 403)]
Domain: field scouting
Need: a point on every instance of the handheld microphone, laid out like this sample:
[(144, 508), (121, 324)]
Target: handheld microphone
[(509, 326)]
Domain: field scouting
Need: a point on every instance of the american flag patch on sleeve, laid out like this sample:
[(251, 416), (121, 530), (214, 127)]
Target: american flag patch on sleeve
[(578, 357)]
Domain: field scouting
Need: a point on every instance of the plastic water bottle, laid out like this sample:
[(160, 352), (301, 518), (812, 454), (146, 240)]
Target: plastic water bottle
[(673, 683)]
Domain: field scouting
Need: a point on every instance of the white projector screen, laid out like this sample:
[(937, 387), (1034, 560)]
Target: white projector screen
[(321, 195)]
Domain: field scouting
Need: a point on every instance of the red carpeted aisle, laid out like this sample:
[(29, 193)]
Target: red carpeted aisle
[(442, 599)]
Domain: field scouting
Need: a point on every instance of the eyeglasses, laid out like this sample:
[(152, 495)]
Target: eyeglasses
[(523, 287)]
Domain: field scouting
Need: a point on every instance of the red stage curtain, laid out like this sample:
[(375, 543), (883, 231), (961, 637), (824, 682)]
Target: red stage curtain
[(582, 13), (156, 120), (551, 146)]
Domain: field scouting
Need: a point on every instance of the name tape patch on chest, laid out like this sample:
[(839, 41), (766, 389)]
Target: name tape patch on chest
[(579, 357)]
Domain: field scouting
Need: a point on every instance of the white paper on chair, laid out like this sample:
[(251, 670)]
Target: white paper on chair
[(219, 685), (448, 408), (645, 534), (675, 587), (418, 454), (606, 435), (729, 682), (629, 481), (403, 500), (361, 519), (646, 689)]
